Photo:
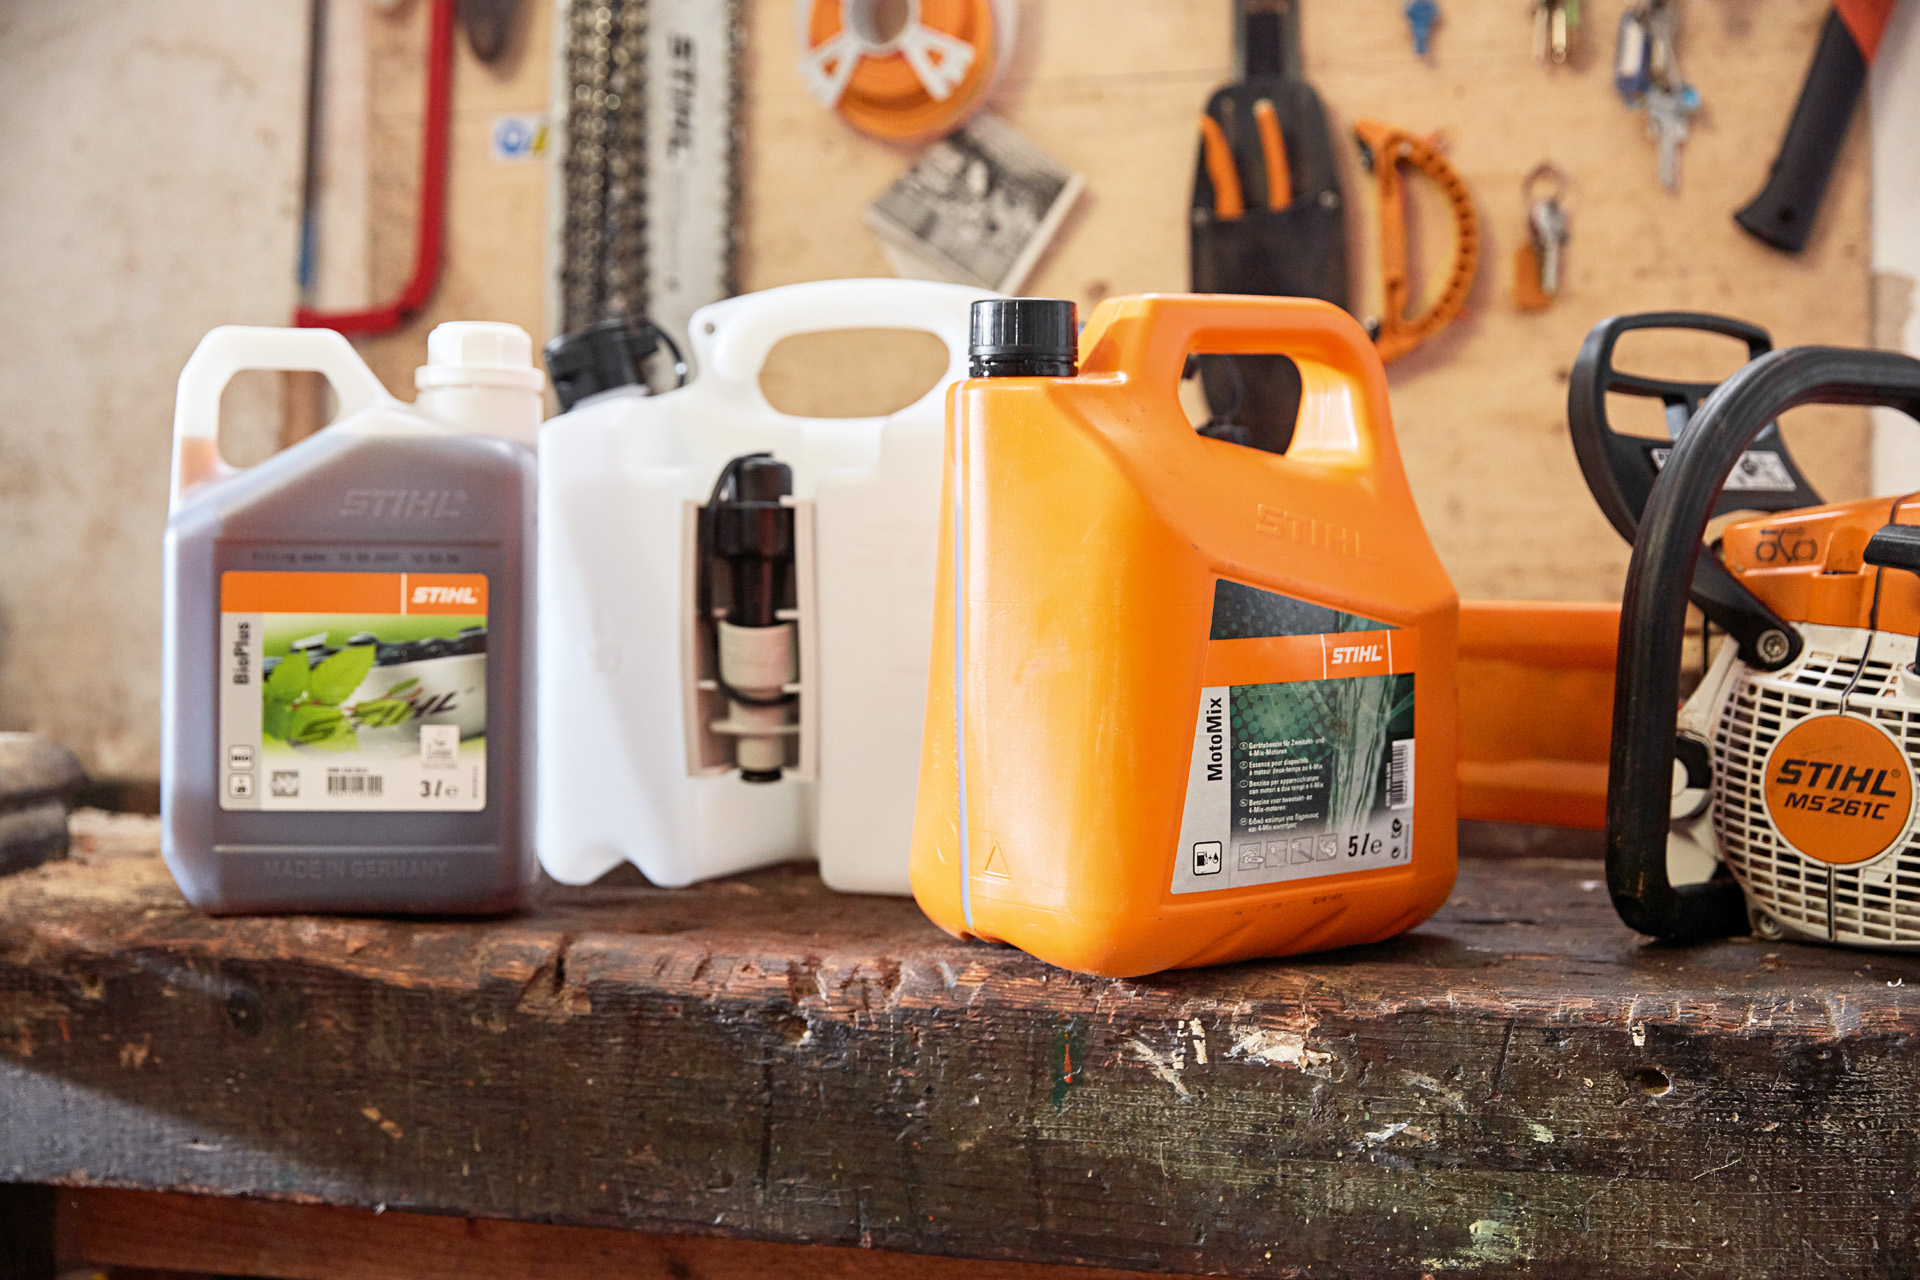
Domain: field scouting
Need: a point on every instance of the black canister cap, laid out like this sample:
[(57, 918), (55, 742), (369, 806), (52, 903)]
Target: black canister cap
[(1024, 338), (599, 358)]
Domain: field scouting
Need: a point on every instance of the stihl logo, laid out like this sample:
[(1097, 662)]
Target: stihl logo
[(1320, 534), (1356, 653), (403, 504), (445, 595), (1848, 791)]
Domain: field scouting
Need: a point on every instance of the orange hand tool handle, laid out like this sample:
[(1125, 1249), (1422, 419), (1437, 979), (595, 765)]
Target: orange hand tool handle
[(1228, 202), (1273, 152), (1391, 147)]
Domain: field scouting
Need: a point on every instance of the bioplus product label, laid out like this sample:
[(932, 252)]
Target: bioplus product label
[(353, 691), (1839, 789), (1303, 746)]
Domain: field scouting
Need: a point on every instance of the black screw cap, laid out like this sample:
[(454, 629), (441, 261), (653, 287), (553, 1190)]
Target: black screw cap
[(599, 358), (1024, 338)]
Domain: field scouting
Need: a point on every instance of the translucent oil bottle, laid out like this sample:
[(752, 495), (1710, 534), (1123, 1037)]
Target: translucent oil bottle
[(348, 665)]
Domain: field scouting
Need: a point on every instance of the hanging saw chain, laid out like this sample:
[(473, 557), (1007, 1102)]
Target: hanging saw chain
[(648, 115), (1384, 149)]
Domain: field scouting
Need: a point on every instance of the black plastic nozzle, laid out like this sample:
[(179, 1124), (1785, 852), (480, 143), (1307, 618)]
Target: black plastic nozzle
[(1024, 338), (600, 357), (753, 532)]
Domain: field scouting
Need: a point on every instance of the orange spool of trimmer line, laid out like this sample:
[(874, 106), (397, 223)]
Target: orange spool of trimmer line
[(903, 69)]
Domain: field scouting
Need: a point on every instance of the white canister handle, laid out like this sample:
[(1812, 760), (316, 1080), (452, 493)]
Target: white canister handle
[(234, 348)]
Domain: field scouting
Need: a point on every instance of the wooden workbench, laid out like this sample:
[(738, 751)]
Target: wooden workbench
[(1519, 1087)]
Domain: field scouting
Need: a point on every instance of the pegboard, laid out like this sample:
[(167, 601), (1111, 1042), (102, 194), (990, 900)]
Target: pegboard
[(1114, 91)]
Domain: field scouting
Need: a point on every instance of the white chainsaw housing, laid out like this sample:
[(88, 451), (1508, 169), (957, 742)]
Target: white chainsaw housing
[(1740, 713), (629, 769)]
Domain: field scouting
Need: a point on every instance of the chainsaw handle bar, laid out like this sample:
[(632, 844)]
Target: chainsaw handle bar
[(1653, 618), (1618, 468)]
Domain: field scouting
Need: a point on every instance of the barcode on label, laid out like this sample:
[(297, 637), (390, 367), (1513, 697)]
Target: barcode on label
[(353, 784), (1400, 775)]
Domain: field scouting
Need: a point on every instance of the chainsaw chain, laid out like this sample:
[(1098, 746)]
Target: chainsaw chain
[(603, 269), (736, 113)]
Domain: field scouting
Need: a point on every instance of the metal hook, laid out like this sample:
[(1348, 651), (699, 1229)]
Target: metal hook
[(1546, 170)]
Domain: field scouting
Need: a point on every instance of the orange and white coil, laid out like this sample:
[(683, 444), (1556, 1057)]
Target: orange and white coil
[(903, 69)]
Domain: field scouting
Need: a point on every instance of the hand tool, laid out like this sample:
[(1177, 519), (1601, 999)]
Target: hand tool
[(1537, 262), (429, 229), (1383, 149), (1268, 216), (1783, 213)]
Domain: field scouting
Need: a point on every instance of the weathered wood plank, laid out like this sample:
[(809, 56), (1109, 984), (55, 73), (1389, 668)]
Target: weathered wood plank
[(1521, 1087), (228, 1235)]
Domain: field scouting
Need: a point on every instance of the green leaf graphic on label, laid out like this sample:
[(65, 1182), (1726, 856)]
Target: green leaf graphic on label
[(275, 718), (342, 740), (380, 713), (409, 683), (313, 723), (289, 679), (335, 679)]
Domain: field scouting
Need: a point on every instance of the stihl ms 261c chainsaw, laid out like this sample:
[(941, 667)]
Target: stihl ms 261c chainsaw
[(1782, 796)]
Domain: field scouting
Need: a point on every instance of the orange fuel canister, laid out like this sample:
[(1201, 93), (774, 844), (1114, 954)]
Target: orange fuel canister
[(1191, 702)]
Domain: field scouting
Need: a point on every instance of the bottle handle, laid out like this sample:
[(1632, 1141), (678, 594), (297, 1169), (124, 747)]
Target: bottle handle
[(732, 339), (1343, 392), (234, 348)]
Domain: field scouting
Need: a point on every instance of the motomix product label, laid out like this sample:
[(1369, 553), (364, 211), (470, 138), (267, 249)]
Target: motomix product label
[(353, 691), (1297, 778)]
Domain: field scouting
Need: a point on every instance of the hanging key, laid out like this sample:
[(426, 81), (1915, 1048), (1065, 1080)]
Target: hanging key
[(1537, 264), (1554, 22), (1547, 220), (1667, 113), (1631, 73), (1663, 57)]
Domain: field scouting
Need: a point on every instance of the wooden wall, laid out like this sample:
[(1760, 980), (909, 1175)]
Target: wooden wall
[(1114, 89)]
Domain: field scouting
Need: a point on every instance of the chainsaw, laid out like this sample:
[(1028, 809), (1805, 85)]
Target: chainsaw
[(1781, 796)]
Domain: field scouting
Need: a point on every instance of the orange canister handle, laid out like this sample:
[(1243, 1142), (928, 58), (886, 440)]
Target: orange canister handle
[(1147, 338)]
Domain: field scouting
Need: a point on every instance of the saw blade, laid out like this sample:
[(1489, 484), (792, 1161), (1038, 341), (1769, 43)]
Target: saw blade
[(647, 107), (692, 185)]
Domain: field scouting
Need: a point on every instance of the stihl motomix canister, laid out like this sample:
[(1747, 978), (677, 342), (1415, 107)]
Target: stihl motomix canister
[(1782, 796), (1190, 701)]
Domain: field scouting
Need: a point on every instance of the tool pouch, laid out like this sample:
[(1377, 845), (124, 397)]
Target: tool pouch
[(1299, 251)]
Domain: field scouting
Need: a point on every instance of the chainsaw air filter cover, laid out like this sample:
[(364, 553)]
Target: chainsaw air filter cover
[(1783, 794)]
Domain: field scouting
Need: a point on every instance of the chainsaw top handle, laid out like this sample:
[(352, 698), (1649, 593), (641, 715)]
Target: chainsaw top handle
[(1620, 469), (1654, 612)]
